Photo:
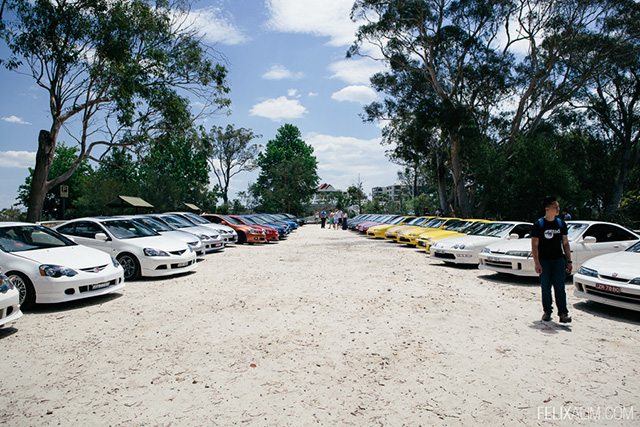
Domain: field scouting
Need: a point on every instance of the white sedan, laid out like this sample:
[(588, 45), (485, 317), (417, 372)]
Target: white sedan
[(587, 239), (9, 301), (465, 249), (212, 240), (612, 279), (46, 267), (229, 234), (140, 250)]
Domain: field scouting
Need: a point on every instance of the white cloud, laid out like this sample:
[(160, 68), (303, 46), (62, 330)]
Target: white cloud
[(15, 119), (17, 159), (360, 94), (328, 18), (312, 94), (341, 159), (280, 72), (355, 71), (278, 109), (293, 93), (212, 23)]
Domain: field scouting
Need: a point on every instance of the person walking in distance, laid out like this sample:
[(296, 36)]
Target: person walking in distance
[(323, 218), (552, 258)]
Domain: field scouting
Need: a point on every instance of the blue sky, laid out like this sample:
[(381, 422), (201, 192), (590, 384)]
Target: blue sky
[(286, 61)]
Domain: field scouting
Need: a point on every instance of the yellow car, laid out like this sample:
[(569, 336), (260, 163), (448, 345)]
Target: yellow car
[(466, 226), (410, 235), (392, 233), (378, 231)]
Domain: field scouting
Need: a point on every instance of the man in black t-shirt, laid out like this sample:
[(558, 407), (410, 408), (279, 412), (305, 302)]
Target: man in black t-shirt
[(552, 257)]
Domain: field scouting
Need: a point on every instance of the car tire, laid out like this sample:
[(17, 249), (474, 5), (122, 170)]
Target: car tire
[(25, 288), (130, 265), (242, 238)]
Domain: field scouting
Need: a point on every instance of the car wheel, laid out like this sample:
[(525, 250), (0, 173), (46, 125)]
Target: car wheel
[(130, 265), (242, 238), (25, 288)]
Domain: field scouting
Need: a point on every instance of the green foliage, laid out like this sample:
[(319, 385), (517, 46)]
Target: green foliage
[(62, 161), (288, 173)]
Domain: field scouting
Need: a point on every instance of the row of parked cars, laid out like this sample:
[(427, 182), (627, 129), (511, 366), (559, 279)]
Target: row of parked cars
[(606, 256), (93, 256)]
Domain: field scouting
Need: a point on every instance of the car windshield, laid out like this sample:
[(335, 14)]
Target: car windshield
[(153, 224), (197, 219), (575, 230), (127, 229), (634, 248), (435, 223), (248, 220), (417, 221), (176, 221), (398, 220), (22, 238), (496, 229), (230, 220), (458, 226)]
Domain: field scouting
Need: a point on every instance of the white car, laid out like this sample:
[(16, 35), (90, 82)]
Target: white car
[(229, 234), (140, 250), (211, 239), (194, 242), (46, 267), (612, 279), (9, 301), (587, 239), (465, 249)]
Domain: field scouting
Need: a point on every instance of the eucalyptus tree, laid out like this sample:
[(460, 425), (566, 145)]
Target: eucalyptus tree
[(112, 69), (230, 152), (503, 66)]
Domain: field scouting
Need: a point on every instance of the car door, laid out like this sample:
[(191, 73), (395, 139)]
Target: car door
[(84, 232), (609, 238)]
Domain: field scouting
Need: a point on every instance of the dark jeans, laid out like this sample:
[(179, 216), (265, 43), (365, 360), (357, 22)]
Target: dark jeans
[(323, 222), (553, 275)]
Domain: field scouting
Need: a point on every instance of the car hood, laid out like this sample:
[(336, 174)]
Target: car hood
[(158, 242), (618, 264), (183, 236), (511, 245), (468, 241), (69, 256)]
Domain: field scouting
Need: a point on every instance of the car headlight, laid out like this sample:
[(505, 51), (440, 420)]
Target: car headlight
[(486, 251), (154, 252), (56, 271), (588, 272), (635, 281), (203, 237), (523, 254), (114, 262), (462, 247)]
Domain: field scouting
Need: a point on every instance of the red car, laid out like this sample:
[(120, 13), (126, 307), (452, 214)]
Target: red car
[(270, 232), (246, 233)]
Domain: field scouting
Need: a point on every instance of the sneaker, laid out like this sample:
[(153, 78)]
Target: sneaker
[(565, 318), (546, 317)]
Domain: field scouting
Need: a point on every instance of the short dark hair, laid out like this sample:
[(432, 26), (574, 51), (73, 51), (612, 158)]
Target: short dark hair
[(548, 201)]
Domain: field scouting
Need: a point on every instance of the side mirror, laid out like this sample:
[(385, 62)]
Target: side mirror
[(589, 239), (101, 236), (513, 237)]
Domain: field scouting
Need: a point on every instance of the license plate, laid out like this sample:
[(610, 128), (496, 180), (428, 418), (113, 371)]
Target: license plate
[(183, 264), (493, 259), (608, 288), (217, 245), (99, 286)]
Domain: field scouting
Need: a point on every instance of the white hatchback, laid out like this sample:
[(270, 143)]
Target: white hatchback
[(612, 279), (46, 267), (140, 250), (587, 239)]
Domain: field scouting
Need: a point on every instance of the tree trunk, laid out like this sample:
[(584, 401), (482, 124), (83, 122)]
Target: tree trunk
[(442, 183), (458, 181), (44, 160), (621, 180)]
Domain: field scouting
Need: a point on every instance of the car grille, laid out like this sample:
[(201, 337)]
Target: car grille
[(178, 252), (614, 279), (623, 297), (88, 288), (443, 255), (501, 264), (95, 269)]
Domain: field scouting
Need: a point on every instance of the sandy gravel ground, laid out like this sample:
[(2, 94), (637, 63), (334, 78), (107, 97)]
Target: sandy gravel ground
[(326, 328)]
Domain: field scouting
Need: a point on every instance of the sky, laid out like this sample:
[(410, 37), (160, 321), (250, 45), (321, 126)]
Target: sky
[(287, 64)]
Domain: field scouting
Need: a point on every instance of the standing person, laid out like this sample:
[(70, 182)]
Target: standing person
[(331, 217), (316, 217), (338, 220), (565, 214), (345, 217), (438, 212), (552, 258), (323, 218)]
